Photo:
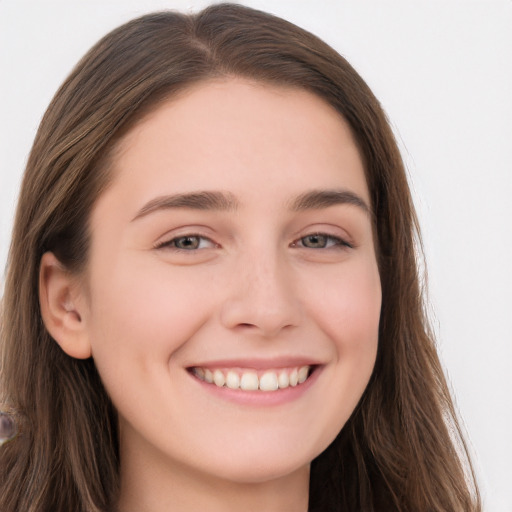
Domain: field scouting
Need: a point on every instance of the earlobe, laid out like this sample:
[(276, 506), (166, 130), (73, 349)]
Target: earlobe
[(62, 307)]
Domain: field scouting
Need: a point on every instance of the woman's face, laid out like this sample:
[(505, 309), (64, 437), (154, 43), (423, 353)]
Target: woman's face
[(234, 244)]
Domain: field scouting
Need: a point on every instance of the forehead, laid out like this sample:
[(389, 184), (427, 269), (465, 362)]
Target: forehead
[(233, 131)]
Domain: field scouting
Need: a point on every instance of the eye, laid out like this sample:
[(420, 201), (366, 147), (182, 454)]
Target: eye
[(321, 241), (187, 243)]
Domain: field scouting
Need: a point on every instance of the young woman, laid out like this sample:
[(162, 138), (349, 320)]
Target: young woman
[(212, 299)]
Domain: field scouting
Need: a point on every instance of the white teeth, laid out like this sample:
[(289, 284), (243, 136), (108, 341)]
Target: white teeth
[(218, 378), (303, 374), (271, 380), (268, 382), (232, 380), (294, 377), (249, 381), (283, 380)]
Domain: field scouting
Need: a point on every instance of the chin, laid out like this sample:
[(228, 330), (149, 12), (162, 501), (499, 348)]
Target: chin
[(257, 462)]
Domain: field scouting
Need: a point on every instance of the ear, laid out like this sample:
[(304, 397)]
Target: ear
[(63, 307)]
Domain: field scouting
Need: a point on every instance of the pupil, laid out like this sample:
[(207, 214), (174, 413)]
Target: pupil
[(188, 242), (315, 241)]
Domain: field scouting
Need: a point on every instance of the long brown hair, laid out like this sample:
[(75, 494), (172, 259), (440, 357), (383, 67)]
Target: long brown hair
[(400, 450)]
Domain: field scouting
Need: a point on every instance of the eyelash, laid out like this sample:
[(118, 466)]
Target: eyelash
[(331, 242), (171, 244)]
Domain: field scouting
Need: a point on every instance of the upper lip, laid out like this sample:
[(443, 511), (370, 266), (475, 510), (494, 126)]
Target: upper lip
[(258, 363)]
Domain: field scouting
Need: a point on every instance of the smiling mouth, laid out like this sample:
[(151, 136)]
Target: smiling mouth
[(252, 380)]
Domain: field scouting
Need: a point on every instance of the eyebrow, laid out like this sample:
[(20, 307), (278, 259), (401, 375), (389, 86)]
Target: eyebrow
[(203, 200), (225, 201), (319, 199)]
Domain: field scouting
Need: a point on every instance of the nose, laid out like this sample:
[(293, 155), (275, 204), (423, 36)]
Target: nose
[(261, 297)]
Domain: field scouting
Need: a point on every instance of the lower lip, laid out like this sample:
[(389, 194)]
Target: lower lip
[(260, 398)]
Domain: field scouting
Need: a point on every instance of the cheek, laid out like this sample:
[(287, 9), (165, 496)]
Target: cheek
[(144, 311), (348, 308), (347, 311)]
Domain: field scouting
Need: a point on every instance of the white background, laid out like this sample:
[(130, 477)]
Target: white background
[(442, 71)]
